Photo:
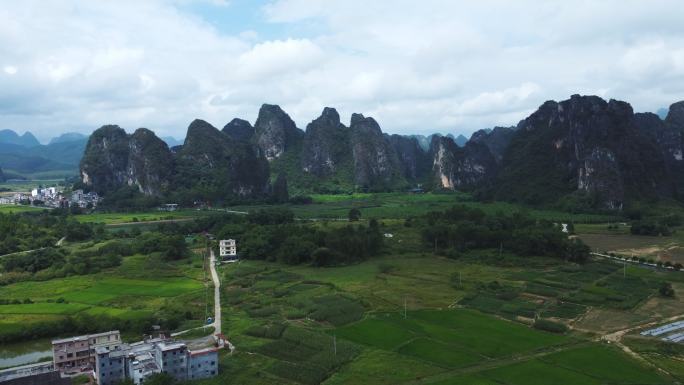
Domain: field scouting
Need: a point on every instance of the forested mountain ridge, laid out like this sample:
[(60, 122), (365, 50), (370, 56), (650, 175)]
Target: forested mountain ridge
[(584, 150)]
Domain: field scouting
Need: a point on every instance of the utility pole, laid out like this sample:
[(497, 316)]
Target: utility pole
[(335, 345), (404, 307)]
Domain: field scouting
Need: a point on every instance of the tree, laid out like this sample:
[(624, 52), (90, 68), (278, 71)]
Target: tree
[(354, 215), (280, 194), (322, 257), (296, 250), (578, 251), (666, 290)]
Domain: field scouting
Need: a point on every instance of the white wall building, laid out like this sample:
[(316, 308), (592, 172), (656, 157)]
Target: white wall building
[(228, 250)]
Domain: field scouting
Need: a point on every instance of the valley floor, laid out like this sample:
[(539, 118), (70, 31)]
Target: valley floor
[(407, 317)]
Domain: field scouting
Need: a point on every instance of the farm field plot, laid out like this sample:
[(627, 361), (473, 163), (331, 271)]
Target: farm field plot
[(27, 185), (145, 216), (403, 205), (16, 209), (91, 289), (43, 308), (382, 368), (580, 366), (435, 343), (470, 335), (111, 295)]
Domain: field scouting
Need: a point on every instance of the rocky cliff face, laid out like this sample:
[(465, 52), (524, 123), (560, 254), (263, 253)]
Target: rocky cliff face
[(376, 165), (415, 162), (209, 161), (326, 147), (222, 165), (454, 167), (496, 140), (239, 129), (585, 145), (275, 132), (578, 148), (150, 163), (113, 159), (668, 134), (104, 166)]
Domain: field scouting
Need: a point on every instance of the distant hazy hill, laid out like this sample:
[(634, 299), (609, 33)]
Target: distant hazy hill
[(460, 140), (69, 137), (171, 141), (25, 140), (24, 155)]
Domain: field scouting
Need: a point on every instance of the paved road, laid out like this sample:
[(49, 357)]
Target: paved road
[(632, 262), (217, 300), (58, 244), (217, 292)]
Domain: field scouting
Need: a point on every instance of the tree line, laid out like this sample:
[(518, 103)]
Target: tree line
[(460, 229)]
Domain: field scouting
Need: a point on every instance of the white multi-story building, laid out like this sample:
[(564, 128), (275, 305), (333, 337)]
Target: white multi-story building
[(228, 250)]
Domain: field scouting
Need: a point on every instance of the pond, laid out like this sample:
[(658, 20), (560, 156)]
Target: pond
[(23, 353)]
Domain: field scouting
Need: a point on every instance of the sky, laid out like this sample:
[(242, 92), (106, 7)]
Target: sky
[(417, 67)]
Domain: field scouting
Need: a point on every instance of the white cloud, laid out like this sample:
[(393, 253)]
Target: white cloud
[(277, 57), (415, 66)]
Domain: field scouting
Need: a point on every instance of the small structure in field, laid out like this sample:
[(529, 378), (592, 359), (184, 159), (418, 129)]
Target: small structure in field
[(228, 250), (169, 207)]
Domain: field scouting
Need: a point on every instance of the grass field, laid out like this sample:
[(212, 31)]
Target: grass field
[(283, 319), (402, 205), (143, 216), (125, 293), (619, 240), (28, 185), (436, 342), (466, 320), (16, 209), (461, 336)]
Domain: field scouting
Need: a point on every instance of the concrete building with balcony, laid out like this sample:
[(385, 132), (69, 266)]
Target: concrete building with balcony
[(172, 358), (202, 363), (77, 353), (228, 250), (111, 365), (138, 361)]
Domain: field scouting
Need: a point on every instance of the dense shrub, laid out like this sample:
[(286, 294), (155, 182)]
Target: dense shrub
[(550, 326), (650, 228), (462, 228), (270, 331)]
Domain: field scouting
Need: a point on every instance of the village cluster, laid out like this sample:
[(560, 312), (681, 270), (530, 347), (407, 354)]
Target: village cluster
[(111, 361), (54, 197)]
